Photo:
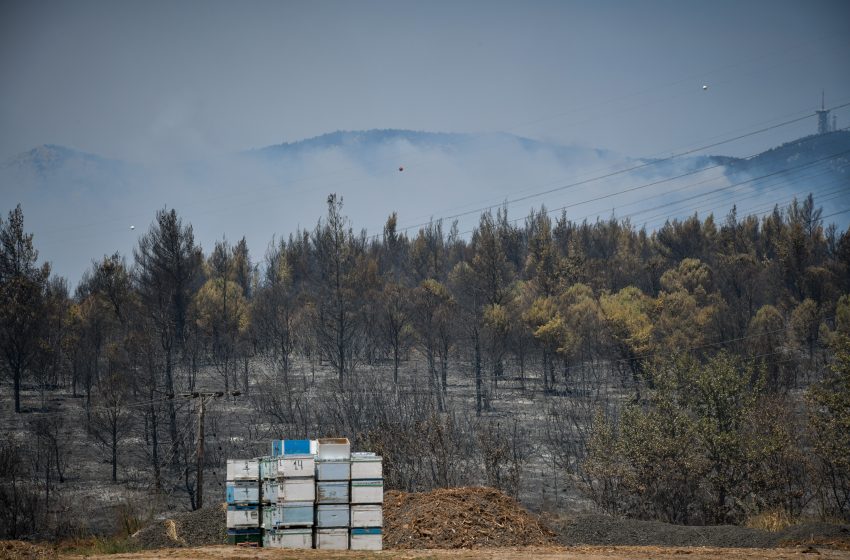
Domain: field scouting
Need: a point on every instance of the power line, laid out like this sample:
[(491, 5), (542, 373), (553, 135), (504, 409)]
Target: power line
[(622, 171), (654, 183), (811, 189)]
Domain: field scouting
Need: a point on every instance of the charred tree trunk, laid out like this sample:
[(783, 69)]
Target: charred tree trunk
[(479, 405), (17, 383), (172, 412), (114, 449)]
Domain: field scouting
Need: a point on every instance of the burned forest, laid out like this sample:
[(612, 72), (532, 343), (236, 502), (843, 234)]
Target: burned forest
[(696, 374)]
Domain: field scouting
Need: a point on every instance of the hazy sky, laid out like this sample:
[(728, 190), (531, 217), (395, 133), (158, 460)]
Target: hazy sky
[(150, 81)]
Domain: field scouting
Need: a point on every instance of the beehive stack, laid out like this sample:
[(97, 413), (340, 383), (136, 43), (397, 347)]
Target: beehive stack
[(289, 518), (333, 475), (307, 494), (367, 497), (243, 501)]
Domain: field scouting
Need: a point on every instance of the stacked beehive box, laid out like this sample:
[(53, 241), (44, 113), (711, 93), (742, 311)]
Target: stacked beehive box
[(367, 497), (243, 501), (333, 475), (291, 491), (307, 494)]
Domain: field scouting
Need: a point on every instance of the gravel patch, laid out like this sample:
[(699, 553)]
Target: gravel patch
[(203, 527)]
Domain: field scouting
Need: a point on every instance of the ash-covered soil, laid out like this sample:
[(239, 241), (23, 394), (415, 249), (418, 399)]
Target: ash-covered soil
[(512, 553), (604, 530), (472, 518)]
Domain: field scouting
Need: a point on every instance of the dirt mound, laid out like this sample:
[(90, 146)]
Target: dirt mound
[(19, 550), (195, 528), (460, 518)]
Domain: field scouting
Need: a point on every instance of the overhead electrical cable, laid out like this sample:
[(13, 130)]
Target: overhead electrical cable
[(722, 192), (723, 196), (615, 173), (654, 183)]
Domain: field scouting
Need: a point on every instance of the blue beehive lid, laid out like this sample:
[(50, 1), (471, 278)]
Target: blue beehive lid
[(366, 531), (290, 447), (296, 447)]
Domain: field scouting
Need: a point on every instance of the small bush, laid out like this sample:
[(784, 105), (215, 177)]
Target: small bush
[(773, 520), (129, 519)]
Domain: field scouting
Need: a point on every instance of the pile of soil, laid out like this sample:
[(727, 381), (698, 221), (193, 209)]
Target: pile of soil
[(19, 550), (604, 530), (460, 518), (203, 527)]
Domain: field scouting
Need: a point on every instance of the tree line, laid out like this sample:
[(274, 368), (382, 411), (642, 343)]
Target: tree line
[(717, 325)]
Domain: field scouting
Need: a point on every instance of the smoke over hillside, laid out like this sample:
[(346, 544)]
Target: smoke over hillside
[(80, 206)]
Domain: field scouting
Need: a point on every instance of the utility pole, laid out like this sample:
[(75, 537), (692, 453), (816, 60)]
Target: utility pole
[(199, 451)]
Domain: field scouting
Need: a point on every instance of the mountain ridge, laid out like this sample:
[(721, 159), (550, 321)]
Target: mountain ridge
[(79, 201), (49, 157)]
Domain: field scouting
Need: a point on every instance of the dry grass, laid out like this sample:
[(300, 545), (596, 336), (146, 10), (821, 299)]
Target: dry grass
[(96, 546), (773, 520)]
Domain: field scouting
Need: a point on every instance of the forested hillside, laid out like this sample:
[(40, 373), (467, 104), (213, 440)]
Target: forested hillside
[(699, 373)]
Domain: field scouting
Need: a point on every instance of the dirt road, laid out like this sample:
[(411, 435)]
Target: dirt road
[(530, 553)]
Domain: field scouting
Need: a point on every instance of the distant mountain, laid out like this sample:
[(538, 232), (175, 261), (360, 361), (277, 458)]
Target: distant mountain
[(48, 160), (366, 142), (831, 149), (80, 206)]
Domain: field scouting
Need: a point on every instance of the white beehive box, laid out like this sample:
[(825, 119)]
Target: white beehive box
[(243, 469), (332, 515), (332, 492), (367, 491), (271, 539), (239, 517), (272, 517), (332, 539), (333, 470), (268, 468), (366, 539), (334, 449), (364, 515), (297, 490), (243, 492), (289, 538), (366, 465), (290, 466), (271, 491)]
